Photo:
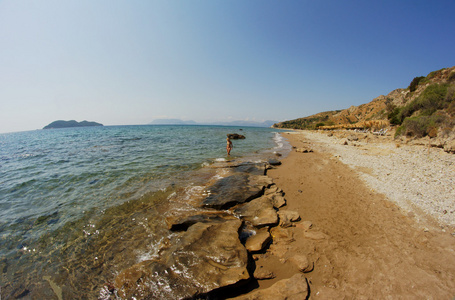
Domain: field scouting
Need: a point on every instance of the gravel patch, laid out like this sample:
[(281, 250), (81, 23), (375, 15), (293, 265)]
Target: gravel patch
[(419, 179)]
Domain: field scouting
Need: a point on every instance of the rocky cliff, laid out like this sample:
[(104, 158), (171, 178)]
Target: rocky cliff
[(380, 111)]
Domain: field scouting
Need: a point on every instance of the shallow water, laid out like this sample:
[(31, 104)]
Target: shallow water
[(78, 205)]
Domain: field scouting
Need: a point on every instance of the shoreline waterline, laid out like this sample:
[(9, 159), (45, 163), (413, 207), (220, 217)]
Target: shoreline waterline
[(103, 239)]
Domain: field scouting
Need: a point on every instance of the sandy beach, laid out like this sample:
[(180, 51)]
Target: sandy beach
[(369, 229)]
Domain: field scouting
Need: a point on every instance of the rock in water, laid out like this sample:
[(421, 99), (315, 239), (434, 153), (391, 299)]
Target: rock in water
[(206, 257), (232, 190), (235, 136)]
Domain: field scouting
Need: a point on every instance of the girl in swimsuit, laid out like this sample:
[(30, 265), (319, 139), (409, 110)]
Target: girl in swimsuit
[(229, 146)]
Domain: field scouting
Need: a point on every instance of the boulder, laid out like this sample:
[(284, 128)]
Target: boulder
[(277, 200), (258, 241), (235, 136), (287, 217), (302, 263), (262, 273), (450, 146), (259, 212), (232, 190), (272, 189), (274, 162), (293, 288), (304, 150), (206, 257)]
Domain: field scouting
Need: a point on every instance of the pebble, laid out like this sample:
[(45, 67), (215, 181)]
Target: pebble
[(410, 175)]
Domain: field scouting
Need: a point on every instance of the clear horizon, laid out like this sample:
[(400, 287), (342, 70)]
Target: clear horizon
[(129, 63)]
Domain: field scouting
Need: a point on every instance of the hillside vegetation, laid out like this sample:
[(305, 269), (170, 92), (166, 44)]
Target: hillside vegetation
[(425, 108)]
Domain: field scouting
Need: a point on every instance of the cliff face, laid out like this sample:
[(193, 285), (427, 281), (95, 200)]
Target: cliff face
[(378, 109)]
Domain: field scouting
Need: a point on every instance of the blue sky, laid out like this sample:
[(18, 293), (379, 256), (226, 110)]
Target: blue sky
[(130, 62)]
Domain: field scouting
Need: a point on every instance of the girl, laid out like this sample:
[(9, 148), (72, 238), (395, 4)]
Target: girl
[(229, 146)]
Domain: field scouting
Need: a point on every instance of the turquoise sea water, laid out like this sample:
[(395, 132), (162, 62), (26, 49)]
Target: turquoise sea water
[(79, 204)]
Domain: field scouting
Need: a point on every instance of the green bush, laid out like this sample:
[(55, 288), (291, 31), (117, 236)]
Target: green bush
[(451, 76), (415, 82), (422, 125)]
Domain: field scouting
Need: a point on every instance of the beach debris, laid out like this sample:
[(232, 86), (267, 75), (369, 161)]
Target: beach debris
[(295, 287)]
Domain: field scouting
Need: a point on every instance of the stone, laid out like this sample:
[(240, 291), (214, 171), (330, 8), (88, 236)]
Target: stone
[(234, 189), (344, 142), (272, 189), (302, 263), (259, 212), (304, 150), (258, 241), (262, 273), (450, 146), (315, 235), (235, 136), (251, 168), (182, 222), (274, 162), (294, 288), (353, 137), (287, 217), (206, 257), (277, 200), (305, 225), (282, 235)]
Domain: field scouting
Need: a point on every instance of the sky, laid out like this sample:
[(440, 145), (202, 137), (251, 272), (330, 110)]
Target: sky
[(130, 62)]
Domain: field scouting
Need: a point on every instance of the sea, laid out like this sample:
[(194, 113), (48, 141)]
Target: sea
[(79, 205)]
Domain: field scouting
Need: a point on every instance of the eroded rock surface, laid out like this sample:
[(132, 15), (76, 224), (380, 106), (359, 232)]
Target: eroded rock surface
[(208, 256)]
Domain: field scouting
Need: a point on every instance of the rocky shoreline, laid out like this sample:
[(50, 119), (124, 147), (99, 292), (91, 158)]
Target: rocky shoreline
[(217, 236), (239, 237)]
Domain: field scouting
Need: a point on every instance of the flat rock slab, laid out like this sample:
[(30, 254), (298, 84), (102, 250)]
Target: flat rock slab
[(287, 217), (258, 241), (234, 189), (259, 212), (251, 168), (183, 222), (207, 256), (294, 288)]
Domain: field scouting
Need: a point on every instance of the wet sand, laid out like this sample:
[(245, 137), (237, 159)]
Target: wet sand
[(362, 245)]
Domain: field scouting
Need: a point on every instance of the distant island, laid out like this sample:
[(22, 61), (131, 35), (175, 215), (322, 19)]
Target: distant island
[(71, 123)]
